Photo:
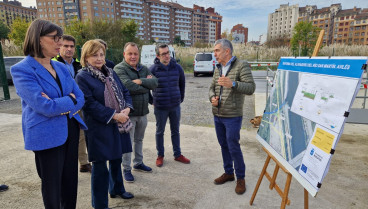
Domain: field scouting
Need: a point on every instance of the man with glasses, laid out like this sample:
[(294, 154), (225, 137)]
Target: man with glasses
[(167, 98), (65, 56), (232, 80)]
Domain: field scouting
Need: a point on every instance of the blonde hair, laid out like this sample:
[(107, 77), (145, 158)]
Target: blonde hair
[(90, 48)]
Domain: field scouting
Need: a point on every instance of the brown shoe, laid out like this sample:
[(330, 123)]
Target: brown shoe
[(159, 161), (240, 186), (224, 178), (85, 168)]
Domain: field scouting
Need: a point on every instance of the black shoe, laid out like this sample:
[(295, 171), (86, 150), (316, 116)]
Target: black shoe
[(125, 195), (3, 188)]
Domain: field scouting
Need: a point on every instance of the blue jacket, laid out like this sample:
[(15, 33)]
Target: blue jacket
[(104, 141), (171, 84), (44, 121)]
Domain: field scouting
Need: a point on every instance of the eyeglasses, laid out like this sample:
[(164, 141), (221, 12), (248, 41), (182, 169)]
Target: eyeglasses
[(56, 37), (164, 54)]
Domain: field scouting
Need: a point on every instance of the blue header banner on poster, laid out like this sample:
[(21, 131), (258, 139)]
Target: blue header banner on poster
[(338, 67)]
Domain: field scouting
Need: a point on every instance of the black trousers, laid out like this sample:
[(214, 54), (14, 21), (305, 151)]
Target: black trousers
[(58, 169)]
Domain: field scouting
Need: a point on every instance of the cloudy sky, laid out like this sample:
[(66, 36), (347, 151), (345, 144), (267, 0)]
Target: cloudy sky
[(251, 13)]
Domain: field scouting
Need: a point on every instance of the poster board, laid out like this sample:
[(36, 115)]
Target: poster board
[(306, 111)]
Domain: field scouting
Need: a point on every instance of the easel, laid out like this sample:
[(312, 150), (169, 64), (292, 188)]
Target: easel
[(283, 194)]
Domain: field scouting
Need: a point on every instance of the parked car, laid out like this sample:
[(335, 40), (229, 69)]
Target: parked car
[(10, 61), (148, 54), (204, 63)]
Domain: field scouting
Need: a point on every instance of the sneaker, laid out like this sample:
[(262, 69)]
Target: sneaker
[(3, 188), (143, 168), (240, 186), (182, 159), (224, 178), (128, 177), (85, 168), (159, 161)]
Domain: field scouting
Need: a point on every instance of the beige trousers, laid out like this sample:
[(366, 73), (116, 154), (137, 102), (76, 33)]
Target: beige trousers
[(82, 150)]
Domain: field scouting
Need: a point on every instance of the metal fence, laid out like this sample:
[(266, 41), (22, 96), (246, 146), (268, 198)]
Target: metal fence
[(3, 80)]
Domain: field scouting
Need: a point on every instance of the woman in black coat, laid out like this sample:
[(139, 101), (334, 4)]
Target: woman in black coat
[(106, 110)]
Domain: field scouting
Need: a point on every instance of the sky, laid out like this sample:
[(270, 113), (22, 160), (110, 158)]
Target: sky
[(253, 14)]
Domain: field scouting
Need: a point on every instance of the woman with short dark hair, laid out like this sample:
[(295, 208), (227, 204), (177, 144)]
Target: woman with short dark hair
[(51, 101), (106, 111)]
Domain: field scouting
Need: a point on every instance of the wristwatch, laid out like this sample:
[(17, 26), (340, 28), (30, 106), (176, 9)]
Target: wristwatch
[(234, 83)]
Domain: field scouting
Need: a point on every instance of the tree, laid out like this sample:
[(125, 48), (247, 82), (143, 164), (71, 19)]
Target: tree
[(304, 36), (18, 31), (4, 31), (178, 41), (114, 33), (227, 35), (278, 42)]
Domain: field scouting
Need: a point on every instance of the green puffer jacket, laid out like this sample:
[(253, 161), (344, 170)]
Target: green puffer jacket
[(232, 99), (139, 93)]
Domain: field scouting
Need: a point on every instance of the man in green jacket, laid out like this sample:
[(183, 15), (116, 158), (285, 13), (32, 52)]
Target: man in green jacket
[(232, 80), (139, 81)]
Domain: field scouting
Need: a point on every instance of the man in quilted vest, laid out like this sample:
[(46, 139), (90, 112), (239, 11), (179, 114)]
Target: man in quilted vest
[(232, 80)]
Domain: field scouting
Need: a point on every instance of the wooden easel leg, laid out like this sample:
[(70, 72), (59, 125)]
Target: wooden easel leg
[(286, 192), (305, 199), (274, 176), (260, 179)]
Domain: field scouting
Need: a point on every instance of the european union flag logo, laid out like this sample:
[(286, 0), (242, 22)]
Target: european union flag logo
[(304, 168)]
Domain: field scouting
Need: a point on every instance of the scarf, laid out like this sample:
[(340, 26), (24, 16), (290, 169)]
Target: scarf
[(114, 97)]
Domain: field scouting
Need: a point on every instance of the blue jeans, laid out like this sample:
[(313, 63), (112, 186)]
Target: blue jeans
[(228, 136), (161, 118), (105, 180)]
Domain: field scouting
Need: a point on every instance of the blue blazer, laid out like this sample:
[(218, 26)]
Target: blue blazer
[(104, 141), (44, 121)]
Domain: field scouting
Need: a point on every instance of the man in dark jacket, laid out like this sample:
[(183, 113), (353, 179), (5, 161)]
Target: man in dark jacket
[(139, 81), (232, 79), (167, 98), (65, 56)]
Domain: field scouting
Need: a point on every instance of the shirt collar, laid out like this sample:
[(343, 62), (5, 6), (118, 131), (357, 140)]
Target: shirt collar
[(230, 61)]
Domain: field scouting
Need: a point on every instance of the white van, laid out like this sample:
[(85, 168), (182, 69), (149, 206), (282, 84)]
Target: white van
[(148, 54), (204, 63)]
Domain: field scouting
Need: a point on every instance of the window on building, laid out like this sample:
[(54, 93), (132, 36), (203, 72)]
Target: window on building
[(96, 14)]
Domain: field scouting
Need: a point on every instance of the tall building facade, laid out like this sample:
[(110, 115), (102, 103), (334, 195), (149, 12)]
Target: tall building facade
[(206, 25), (10, 10), (240, 29), (158, 21), (343, 26), (282, 21), (62, 11)]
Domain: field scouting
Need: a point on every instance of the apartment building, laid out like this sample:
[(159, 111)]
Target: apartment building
[(240, 29), (350, 26), (10, 10), (344, 26), (206, 25), (61, 11), (282, 21), (158, 21)]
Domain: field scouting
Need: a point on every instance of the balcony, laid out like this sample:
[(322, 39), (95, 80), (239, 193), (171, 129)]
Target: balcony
[(183, 21), (130, 6), (131, 17), (184, 26), (159, 7), (158, 17), (131, 12), (160, 22), (133, 1), (159, 12), (163, 27), (183, 12), (160, 36), (155, 31), (184, 17)]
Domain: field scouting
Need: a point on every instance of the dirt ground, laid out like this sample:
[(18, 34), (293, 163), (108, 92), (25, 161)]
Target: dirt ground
[(176, 185)]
